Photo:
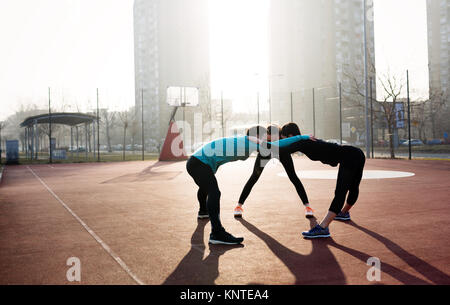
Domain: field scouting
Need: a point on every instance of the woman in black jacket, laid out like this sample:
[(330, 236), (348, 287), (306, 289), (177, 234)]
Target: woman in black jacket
[(351, 162), (273, 134)]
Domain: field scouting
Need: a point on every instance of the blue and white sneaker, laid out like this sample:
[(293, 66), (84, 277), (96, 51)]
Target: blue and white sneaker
[(317, 232), (343, 216)]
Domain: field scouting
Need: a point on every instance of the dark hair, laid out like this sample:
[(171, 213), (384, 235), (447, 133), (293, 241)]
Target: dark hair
[(256, 131), (290, 129), (273, 129)]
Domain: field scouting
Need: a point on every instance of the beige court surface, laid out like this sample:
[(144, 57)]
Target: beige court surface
[(135, 223)]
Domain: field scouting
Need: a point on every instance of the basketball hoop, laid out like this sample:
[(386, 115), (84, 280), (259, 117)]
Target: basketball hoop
[(177, 97)]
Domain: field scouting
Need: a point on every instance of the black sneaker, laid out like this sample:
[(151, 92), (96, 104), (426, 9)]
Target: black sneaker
[(224, 238), (202, 214), (343, 216)]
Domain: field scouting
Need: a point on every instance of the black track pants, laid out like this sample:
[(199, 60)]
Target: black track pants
[(208, 194), (349, 177)]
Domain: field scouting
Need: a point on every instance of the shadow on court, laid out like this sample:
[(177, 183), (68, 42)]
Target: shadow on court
[(319, 267), (321, 263), (193, 269), (433, 274), (37, 234), (148, 173)]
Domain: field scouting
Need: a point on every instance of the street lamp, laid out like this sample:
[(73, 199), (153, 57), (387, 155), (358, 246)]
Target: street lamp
[(2, 124), (50, 127), (142, 125), (366, 110), (98, 129), (257, 101)]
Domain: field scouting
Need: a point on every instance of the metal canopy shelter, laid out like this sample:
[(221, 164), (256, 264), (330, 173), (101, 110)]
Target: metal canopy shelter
[(64, 118)]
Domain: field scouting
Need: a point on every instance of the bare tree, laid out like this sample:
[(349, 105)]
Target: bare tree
[(134, 126), (13, 130), (124, 119), (437, 114), (419, 118), (430, 116), (44, 132), (109, 120), (384, 108), (392, 88)]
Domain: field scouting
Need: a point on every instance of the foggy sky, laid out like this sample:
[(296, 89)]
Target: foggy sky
[(75, 46)]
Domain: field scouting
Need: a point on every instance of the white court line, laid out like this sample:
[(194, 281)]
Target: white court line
[(93, 234), (332, 174)]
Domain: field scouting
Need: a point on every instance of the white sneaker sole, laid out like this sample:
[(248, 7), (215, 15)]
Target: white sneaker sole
[(219, 242), (342, 218), (317, 236)]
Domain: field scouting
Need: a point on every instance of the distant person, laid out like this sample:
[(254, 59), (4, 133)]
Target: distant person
[(202, 167), (273, 134)]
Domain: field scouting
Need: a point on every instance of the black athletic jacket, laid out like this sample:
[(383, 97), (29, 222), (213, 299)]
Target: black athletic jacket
[(327, 153)]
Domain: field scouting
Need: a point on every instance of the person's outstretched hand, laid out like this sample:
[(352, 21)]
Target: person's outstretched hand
[(312, 138)]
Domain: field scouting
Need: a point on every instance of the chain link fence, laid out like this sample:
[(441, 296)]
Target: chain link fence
[(331, 112)]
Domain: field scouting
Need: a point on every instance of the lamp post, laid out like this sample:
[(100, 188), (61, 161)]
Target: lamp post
[(409, 117), (221, 106), (366, 110), (292, 108), (50, 127), (257, 106), (371, 117), (314, 111), (98, 130), (340, 111), (142, 121)]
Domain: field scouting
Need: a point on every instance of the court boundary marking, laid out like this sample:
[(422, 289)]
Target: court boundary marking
[(333, 174), (105, 246)]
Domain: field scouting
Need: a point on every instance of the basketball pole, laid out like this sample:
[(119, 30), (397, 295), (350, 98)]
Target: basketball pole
[(50, 127), (409, 116), (366, 108), (142, 121), (340, 111), (221, 101), (98, 130)]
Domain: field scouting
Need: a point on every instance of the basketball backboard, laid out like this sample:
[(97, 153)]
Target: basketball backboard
[(182, 96)]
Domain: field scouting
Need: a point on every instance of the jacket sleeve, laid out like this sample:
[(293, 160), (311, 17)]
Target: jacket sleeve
[(288, 141)]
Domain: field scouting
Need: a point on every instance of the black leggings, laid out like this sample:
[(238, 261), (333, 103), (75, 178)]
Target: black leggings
[(349, 177), (208, 194), (258, 168)]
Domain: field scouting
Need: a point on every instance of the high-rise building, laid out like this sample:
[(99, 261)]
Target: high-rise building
[(318, 44), (171, 40), (438, 16)]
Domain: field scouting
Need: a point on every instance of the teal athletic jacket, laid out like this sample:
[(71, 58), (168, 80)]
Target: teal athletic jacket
[(224, 150)]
